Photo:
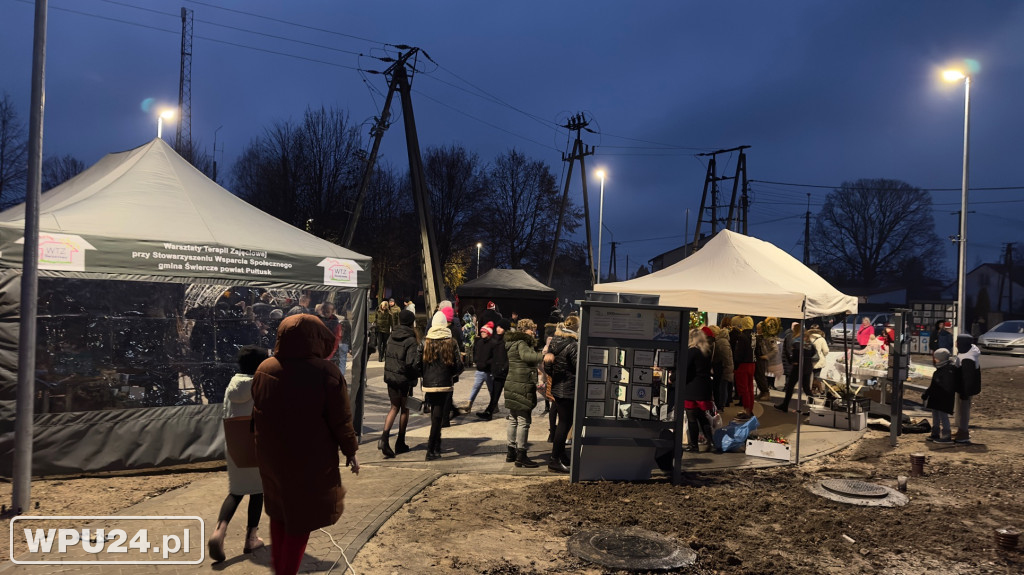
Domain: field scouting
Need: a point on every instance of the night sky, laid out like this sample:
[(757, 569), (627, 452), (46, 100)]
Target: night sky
[(823, 92)]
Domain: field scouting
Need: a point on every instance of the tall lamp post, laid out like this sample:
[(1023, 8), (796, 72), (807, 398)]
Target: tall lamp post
[(478, 246), (600, 224), (961, 312), (164, 115)]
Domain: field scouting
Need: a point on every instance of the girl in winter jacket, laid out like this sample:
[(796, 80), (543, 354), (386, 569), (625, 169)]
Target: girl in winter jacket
[(521, 389), (697, 395), (941, 396), (442, 363), (402, 365), (968, 357), (560, 363)]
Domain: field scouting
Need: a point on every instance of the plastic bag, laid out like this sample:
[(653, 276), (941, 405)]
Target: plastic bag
[(733, 437)]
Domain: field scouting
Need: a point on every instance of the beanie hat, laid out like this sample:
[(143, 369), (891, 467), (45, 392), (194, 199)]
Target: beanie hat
[(964, 342), (438, 320), (707, 332), (490, 305), (449, 314), (406, 317), (556, 316), (572, 323), (504, 324), (488, 328), (444, 303), (941, 355)]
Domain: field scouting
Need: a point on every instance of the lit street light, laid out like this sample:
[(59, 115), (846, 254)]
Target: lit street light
[(166, 114), (955, 76), (600, 224), (478, 246)]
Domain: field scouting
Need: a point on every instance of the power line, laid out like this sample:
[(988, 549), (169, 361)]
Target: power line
[(988, 189), (485, 122)]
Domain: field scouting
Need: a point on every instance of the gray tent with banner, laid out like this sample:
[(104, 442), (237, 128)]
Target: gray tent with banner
[(151, 277), (510, 290)]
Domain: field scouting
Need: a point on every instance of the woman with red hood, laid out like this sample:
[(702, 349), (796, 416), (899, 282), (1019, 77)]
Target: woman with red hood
[(302, 417)]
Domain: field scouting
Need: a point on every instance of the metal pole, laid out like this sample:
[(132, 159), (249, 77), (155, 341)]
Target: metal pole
[(159, 126), (960, 311), (478, 259), (600, 225), (22, 480), (799, 381)]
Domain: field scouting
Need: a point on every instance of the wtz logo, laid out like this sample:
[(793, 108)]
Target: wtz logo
[(107, 539)]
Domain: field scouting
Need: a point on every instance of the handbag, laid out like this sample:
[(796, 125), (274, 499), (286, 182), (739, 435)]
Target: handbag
[(241, 440)]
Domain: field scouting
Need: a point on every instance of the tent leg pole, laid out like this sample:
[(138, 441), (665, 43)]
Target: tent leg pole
[(799, 381)]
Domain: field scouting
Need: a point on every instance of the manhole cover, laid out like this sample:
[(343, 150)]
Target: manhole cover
[(631, 549), (854, 488)]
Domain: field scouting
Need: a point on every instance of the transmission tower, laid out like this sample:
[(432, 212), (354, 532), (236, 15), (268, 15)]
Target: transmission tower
[(580, 151), (183, 137), (737, 217)]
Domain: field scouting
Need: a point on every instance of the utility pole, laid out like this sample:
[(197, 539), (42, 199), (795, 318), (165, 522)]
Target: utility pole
[(711, 180), (1006, 277), (807, 233), (579, 151), (183, 137), (215, 152), (613, 268)]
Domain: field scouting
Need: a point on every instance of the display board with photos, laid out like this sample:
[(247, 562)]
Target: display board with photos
[(628, 355)]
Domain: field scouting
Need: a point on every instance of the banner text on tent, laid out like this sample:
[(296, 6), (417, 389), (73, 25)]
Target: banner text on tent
[(207, 258)]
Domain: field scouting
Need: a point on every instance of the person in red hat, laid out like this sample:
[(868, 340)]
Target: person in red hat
[(483, 353)]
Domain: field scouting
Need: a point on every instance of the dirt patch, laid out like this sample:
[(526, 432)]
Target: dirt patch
[(102, 493), (749, 521)]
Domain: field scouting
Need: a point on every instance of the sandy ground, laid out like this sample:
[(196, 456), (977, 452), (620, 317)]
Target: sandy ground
[(749, 521)]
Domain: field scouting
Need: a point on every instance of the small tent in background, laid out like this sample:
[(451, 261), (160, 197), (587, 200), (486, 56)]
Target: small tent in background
[(512, 291), (739, 274), (129, 249)]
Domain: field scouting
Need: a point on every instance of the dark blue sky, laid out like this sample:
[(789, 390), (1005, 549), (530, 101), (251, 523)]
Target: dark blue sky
[(824, 92)]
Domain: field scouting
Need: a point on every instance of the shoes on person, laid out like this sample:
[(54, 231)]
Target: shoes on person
[(931, 439), (252, 542), (743, 416), (385, 448), (943, 440), (432, 456), (963, 441), (216, 549), (401, 447), (764, 396), (511, 454), (691, 449), (551, 437), (781, 408), (557, 466), (485, 415), (522, 460)]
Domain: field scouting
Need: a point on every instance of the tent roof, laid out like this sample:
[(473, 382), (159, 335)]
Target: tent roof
[(505, 283), (734, 273), (151, 194)]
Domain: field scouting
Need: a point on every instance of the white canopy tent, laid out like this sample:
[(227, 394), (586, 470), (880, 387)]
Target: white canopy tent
[(739, 274)]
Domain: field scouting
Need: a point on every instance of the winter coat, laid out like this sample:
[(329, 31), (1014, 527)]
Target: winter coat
[(970, 372), (302, 417), (499, 357), (698, 376), (808, 353), (742, 346), (864, 334), (820, 346), (384, 320), (565, 347), (483, 353), (439, 376), (521, 383), (941, 394), (721, 358), (402, 360), (334, 325)]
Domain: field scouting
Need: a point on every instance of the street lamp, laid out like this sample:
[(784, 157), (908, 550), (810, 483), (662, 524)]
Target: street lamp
[(955, 76), (166, 114), (600, 224), (478, 246)]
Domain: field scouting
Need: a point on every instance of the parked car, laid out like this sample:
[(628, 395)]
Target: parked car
[(1007, 337), (852, 324)]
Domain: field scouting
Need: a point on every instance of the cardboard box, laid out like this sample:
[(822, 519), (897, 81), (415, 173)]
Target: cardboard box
[(860, 420), (821, 416), (768, 449)]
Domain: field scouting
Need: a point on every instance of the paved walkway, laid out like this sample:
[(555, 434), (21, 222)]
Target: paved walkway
[(470, 445)]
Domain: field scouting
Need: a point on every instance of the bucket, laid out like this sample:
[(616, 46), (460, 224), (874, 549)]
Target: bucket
[(1007, 538), (917, 464)]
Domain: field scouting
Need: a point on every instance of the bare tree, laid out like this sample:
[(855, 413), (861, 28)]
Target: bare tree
[(456, 182), (304, 173), (59, 169), (13, 154), (872, 230), (522, 205), (192, 151)]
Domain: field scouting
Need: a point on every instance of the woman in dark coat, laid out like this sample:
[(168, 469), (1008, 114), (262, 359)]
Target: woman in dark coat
[(402, 365), (560, 363), (302, 418), (442, 364), (940, 397), (521, 389), (698, 394)]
